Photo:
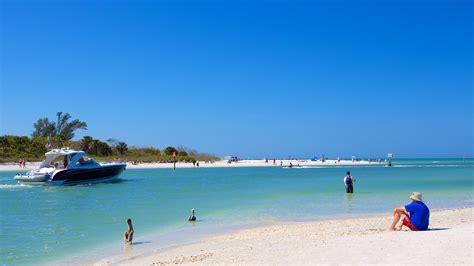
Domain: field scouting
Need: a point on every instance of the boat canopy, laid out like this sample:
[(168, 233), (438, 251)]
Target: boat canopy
[(53, 154)]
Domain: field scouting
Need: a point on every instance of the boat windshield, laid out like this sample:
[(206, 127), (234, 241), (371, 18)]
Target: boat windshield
[(59, 162), (85, 161)]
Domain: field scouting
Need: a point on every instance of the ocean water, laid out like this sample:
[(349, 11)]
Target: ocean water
[(41, 224)]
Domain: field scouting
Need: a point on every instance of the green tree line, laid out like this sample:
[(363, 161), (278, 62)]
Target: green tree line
[(13, 148), (48, 135)]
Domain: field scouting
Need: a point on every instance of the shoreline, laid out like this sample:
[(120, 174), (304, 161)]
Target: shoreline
[(311, 193), (310, 242), (255, 163), (217, 164)]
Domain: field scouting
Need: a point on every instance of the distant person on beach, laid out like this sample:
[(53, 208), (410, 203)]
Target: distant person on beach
[(291, 165), (128, 235), (349, 182), (192, 217), (415, 216)]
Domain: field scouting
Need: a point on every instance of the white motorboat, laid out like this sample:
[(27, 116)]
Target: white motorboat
[(74, 168)]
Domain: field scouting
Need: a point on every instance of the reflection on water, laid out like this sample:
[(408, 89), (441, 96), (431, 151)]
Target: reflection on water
[(348, 202)]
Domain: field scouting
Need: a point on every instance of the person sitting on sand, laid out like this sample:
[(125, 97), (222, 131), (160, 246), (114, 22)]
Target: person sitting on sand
[(415, 216), (349, 182), (128, 235), (192, 217)]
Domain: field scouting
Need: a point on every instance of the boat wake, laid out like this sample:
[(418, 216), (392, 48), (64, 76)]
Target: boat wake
[(15, 186)]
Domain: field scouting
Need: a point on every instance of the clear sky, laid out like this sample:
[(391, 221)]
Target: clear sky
[(250, 78)]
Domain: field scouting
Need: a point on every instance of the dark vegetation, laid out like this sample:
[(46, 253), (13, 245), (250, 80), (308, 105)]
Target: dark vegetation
[(48, 135)]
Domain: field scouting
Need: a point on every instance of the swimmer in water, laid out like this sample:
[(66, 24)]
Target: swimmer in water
[(192, 217), (128, 235)]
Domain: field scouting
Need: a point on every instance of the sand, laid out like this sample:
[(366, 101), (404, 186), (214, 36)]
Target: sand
[(351, 241), (255, 163), (243, 163)]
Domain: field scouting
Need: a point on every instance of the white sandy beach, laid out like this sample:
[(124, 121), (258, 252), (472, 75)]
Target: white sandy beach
[(242, 163), (352, 241), (254, 163)]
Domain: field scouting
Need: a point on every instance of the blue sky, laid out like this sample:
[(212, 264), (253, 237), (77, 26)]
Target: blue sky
[(252, 78)]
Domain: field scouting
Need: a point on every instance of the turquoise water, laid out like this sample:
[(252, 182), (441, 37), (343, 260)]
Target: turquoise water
[(41, 224)]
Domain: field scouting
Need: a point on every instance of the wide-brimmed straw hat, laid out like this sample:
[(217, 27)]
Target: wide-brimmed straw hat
[(416, 196)]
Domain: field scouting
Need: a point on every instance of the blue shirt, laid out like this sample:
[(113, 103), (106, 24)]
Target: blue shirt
[(419, 215)]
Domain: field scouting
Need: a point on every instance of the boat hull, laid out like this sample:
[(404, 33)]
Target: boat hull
[(33, 179), (101, 174)]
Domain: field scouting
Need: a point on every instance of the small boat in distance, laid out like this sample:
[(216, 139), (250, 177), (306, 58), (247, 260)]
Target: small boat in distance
[(74, 168)]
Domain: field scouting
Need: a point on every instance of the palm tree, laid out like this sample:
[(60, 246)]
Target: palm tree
[(62, 128), (66, 129), (122, 148)]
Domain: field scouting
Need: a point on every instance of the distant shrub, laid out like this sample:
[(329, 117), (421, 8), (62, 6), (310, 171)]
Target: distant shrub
[(170, 150), (95, 147), (182, 153)]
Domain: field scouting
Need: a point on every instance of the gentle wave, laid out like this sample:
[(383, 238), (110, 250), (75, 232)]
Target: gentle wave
[(373, 166), (332, 166), (428, 165)]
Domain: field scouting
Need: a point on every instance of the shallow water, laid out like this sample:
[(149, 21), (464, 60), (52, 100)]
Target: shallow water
[(42, 224)]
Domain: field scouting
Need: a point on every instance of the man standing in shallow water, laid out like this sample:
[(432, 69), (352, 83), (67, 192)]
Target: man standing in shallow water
[(415, 216), (349, 182)]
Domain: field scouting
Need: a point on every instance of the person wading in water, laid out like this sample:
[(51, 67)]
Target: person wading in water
[(349, 182), (128, 235), (192, 217)]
